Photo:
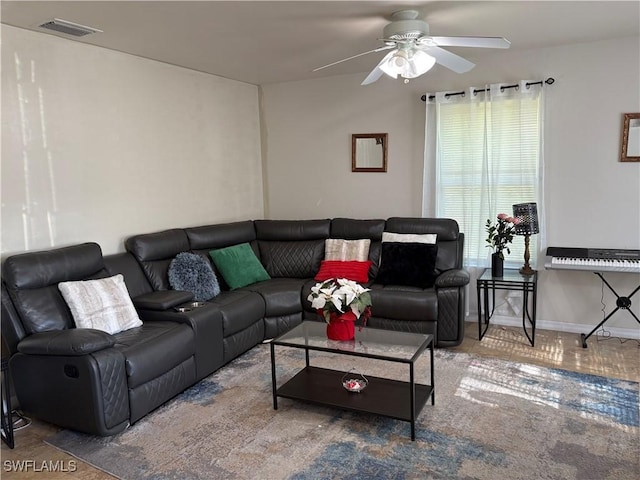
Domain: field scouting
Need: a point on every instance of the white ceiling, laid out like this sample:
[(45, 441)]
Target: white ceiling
[(263, 42)]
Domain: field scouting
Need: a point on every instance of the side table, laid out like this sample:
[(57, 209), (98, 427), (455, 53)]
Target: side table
[(7, 418), (511, 280)]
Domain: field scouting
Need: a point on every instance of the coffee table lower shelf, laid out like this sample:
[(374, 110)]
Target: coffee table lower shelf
[(385, 397)]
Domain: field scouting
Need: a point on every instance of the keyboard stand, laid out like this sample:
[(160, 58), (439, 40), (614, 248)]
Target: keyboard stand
[(623, 303)]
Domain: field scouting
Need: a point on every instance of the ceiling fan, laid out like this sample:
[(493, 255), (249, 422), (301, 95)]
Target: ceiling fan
[(414, 51)]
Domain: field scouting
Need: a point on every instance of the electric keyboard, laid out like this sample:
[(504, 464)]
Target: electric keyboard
[(598, 261), (593, 259)]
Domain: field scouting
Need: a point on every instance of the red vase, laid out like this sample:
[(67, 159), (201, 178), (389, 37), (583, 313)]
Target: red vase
[(342, 327)]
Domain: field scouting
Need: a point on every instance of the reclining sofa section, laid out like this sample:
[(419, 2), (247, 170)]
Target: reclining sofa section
[(100, 383)]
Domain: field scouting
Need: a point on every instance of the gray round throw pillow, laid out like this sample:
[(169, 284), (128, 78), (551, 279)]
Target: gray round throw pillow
[(193, 273)]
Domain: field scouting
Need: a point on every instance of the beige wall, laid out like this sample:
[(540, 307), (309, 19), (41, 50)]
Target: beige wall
[(591, 198), (98, 145), (308, 128)]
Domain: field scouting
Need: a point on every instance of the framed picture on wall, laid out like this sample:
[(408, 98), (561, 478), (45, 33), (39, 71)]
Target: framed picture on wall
[(369, 152), (630, 144)]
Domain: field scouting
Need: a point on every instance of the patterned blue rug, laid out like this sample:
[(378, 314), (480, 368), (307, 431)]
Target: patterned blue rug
[(492, 419)]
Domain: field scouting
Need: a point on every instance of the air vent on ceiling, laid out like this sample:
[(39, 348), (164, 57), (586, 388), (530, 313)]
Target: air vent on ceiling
[(70, 28)]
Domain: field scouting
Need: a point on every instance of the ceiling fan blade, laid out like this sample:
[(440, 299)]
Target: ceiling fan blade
[(450, 60), (480, 42), (380, 49), (377, 72)]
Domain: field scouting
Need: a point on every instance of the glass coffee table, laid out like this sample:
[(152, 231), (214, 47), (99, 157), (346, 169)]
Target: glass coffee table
[(396, 399)]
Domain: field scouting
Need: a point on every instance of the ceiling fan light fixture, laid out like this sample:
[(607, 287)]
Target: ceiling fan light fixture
[(411, 51), (408, 64), (423, 62), (400, 60), (395, 64)]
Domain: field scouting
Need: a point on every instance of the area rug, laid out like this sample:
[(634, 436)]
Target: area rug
[(492, 419)]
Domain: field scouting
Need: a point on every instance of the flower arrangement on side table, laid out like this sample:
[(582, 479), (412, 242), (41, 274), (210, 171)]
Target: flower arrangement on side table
[(499, 236), (341, 302)]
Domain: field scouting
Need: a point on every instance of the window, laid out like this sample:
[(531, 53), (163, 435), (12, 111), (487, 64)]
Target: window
[(487, 158)]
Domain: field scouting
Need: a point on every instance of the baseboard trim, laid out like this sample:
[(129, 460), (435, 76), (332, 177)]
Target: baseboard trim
[(633, 333)]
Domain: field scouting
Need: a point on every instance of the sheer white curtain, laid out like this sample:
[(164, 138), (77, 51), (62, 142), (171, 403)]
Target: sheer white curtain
[(483, 154)]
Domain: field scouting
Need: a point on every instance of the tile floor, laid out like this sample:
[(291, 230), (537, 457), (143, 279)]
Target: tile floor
[(607, 357)]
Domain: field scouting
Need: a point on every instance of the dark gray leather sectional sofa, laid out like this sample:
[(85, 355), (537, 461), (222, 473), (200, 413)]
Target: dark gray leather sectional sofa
[(99, 383)]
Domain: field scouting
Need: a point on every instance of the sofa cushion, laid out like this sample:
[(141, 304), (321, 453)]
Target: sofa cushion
[(42, 309), (404, 303), (239, 265), (102, 304), (292, 259), (411, 264), (155, 251), (153, 349), (356, 271), (208, 237), (445, 228), (192, 273), (240, 309), (353, 229), (34, 270), (32, 283), (134, 277), (292, 248), (345, 250), (281, 295), (292, 230)]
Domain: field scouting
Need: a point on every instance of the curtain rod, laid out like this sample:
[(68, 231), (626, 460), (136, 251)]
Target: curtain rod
[(548, 81)]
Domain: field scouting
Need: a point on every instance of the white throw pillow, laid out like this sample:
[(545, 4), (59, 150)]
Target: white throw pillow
[(103, 304), (346, 250), (409, 237)]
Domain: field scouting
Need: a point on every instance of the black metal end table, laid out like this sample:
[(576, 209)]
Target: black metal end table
[(7, 418), (512, 279)]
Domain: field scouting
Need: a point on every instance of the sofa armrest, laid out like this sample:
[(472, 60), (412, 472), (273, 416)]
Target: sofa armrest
[(162, 299), (72, 342), (455, 277)]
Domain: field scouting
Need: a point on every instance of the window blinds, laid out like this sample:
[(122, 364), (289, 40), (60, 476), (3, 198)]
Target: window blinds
[(488, 158)]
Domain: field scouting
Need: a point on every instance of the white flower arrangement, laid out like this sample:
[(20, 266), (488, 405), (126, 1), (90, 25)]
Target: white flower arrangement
[(339, 295)]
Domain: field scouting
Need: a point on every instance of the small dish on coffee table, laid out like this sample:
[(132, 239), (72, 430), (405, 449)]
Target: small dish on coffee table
[(354, 382)]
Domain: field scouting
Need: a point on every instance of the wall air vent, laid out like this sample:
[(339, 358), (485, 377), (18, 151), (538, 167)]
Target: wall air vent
[(70, 28)]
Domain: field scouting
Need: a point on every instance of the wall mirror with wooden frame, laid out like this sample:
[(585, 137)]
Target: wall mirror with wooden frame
[(630, 144), (369, 152)]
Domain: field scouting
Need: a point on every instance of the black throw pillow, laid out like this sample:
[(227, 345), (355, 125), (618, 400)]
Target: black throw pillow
[(408, 264)]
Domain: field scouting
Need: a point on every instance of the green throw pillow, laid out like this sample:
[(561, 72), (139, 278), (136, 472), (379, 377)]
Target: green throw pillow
[(239, 266)]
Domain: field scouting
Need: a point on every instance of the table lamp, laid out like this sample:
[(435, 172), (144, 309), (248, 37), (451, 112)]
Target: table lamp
[(527, 213)]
